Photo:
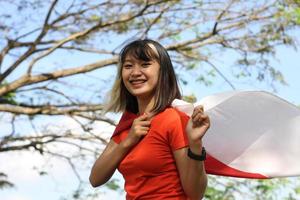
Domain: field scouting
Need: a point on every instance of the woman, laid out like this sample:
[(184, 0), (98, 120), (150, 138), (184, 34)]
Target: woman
[(160, 154)]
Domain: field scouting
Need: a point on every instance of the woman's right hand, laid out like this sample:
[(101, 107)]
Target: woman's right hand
[(114, 153), (139, 128)]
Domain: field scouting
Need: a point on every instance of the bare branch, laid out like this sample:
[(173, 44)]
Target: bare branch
[(69, 160), (212, 65), (215, 31), (49, 110), (27, 80), (89, 50), (44, 88), (220, 73), (32, 48), (154, 21), (95, 117), (78, 35), (88, 130), (32, 142)]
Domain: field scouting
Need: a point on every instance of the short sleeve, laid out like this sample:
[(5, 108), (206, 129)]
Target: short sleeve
[(177, 135), (116, 139)]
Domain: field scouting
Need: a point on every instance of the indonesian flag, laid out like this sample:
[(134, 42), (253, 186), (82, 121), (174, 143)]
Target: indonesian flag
[(253, 134)]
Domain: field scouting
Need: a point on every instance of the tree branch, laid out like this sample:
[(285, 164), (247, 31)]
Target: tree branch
[(32, 48), (27, 80), (49, 110)]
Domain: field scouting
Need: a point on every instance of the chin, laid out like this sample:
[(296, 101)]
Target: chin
[(142, 94)]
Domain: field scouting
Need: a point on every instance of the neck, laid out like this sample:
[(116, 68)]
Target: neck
[(145, 104)]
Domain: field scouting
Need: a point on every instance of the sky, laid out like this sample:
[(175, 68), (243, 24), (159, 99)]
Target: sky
[(60, 180), (23, 168)]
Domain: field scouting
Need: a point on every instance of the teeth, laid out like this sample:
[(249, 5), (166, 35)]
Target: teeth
[(138, 81)]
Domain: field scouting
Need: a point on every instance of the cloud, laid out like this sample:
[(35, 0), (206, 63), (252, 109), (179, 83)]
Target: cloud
[(23, 167), (14, 197)]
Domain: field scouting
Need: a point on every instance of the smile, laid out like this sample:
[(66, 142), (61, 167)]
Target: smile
[(137, 82)]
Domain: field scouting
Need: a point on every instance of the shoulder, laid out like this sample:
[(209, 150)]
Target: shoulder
[(171, 125), (170, 116)]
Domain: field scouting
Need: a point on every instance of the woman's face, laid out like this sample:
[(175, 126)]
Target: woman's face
[(140, 77)]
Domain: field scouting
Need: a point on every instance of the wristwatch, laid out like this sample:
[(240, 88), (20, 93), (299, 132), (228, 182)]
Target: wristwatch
[(197, 157)]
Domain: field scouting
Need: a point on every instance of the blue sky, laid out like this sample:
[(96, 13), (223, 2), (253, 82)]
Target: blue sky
[(60, 180), (21, 167)]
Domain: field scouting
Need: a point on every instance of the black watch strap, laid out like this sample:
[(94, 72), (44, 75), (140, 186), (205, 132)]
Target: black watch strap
[(197, 157)]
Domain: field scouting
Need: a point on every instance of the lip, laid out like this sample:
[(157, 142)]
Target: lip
[(137, 82)]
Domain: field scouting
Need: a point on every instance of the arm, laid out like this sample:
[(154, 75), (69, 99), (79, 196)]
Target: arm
[(107, 163), (192, 172), (113, 154)]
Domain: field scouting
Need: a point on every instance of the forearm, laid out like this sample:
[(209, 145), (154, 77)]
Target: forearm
[(195, 179), (107, 163)]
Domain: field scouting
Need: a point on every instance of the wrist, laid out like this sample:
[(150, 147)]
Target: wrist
[(127, 143), (196, 146), (198, 157)]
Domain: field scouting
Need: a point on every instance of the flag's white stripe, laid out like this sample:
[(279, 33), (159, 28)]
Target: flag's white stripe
[(252, 131), (276, 153)]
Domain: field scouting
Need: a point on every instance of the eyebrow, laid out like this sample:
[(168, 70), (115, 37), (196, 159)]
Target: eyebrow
[(130, 60), (127, 60)]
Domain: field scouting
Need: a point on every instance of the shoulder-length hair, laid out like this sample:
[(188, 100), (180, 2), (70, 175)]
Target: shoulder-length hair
[(167, 88)]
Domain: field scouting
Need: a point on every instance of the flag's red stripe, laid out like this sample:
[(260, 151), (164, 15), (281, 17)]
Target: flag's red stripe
[(215, 167), (212, 165)]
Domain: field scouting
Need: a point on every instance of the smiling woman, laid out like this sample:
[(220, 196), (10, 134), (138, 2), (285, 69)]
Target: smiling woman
[(161, 155), (154, 63), (140, 77)]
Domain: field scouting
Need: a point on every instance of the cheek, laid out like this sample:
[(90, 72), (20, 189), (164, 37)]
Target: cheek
[(156, 77), (124, 75)]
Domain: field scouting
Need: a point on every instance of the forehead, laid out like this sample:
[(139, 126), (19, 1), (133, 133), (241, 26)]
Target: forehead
[(144, 52), (132, 58)]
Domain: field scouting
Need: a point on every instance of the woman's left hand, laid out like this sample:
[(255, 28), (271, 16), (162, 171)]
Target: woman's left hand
[(197, 125)]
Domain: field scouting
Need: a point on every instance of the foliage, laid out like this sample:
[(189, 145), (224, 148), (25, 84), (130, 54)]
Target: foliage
[(3, 182), (8, 97), (220, 188), (54, 57)]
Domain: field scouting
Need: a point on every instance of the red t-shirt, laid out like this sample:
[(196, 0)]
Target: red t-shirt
[(149, 169)]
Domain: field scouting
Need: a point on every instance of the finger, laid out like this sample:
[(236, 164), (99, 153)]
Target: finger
[(198, 109), (143, 117), (205, 118), (198, 118), (143, 132), (144, 129), (144, 123)]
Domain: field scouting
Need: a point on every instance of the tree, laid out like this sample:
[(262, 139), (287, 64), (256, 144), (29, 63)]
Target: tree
[(40, 79)]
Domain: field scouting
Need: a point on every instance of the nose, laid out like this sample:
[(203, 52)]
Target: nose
[(136, 71)]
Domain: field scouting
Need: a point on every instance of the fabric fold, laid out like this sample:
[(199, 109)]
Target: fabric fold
[(253, 134)]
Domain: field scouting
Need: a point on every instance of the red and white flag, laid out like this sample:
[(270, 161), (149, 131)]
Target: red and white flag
[(253, 134)]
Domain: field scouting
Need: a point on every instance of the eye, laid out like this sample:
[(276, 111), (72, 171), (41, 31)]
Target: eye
[(127, 66), (146, 64)]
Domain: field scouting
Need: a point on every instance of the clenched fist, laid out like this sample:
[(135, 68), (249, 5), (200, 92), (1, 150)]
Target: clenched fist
[(197, 125)]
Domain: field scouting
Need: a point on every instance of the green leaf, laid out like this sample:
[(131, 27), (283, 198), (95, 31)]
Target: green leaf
[(190, 98), (8, 98), (112, 184)]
